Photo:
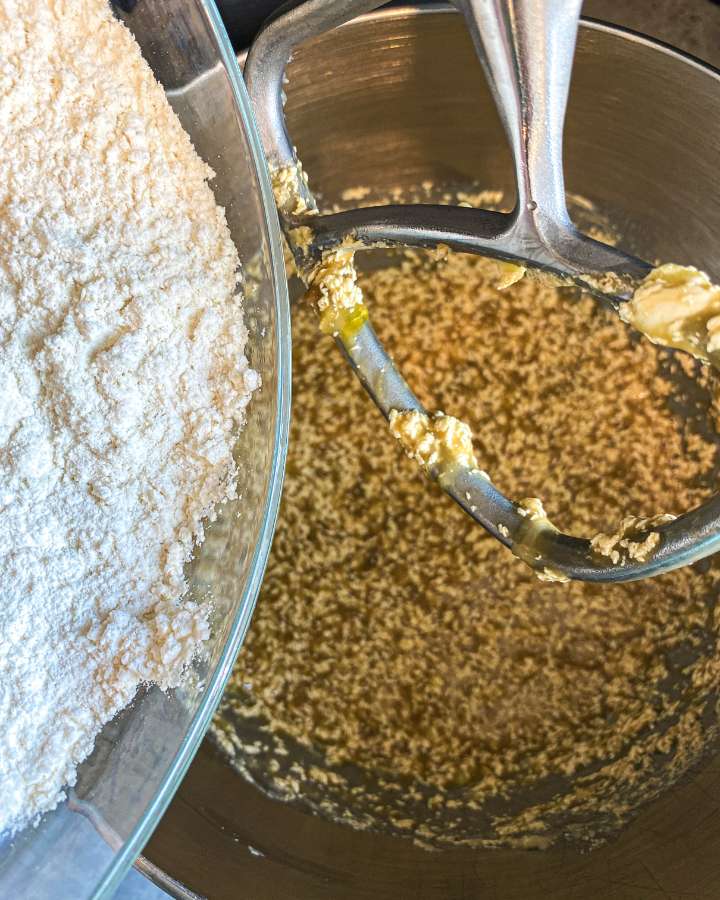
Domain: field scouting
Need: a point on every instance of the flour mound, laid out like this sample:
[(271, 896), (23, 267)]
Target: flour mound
[(123, 383)]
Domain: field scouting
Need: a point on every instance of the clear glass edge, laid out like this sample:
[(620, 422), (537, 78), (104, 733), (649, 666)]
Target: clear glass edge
[(132, 847)]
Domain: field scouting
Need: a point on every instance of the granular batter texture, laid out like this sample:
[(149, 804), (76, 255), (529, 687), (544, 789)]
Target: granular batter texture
[(403, 670), (123, 384)]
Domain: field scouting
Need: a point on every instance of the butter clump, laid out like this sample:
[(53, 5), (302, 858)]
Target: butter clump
[(677, 306)]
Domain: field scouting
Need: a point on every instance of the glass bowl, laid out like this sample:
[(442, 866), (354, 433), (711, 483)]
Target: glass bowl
[(83, 848)]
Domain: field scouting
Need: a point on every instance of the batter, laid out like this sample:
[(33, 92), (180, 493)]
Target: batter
[(403, 671)]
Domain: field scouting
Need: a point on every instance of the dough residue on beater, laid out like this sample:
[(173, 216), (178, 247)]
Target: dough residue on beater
[(633, 539), (532, 508), (337, 297), (124, 384), (332, 283), (553, 576), (435, 442), (288, 186)]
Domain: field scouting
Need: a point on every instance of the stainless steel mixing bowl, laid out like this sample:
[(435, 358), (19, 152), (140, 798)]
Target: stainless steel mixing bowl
[(378, 104)]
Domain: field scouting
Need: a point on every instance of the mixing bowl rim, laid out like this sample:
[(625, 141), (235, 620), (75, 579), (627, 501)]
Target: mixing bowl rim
[(130, 848)]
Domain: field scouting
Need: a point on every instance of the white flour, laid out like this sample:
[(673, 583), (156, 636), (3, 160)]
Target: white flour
[(122, 384)]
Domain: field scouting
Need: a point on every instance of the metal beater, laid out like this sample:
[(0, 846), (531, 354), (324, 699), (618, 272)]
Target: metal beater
[(526, 48)]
